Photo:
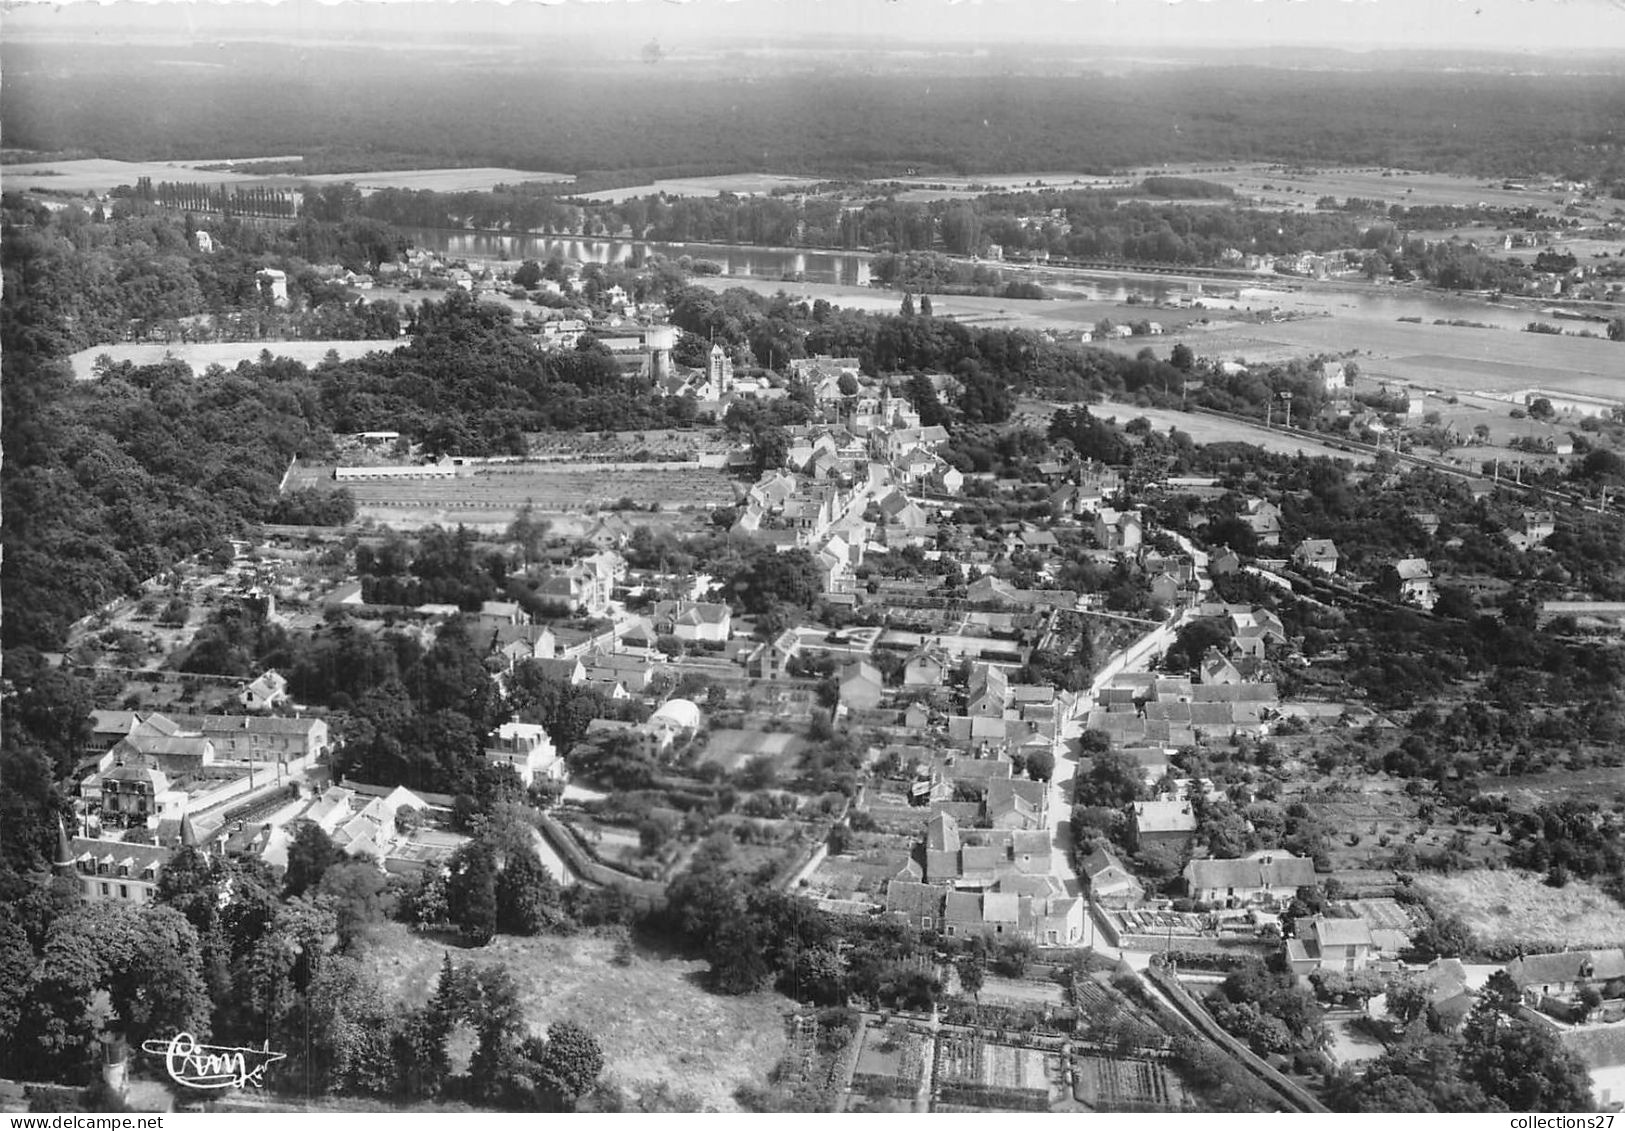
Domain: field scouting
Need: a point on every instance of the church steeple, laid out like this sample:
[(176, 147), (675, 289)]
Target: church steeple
[(63, 864)]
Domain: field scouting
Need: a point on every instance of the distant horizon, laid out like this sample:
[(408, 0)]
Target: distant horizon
[(1521, 28)]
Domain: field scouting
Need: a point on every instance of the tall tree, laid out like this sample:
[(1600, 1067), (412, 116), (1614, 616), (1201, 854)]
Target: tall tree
[(571, 1064), (310, 853)]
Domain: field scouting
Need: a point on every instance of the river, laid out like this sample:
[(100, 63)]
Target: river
[(844, 268), (1342, 299)]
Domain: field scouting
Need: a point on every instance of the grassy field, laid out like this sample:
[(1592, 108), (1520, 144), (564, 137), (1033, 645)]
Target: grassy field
[(1392, 186), (652, 1018), (1509, 906), (733, 748), (1453, 358), (741, 184), (1528, 791), (96, 175), (1215, 430), (99, 176), (433, 180)]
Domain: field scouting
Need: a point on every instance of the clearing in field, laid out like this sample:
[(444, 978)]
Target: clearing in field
[(733, 748), (651, 1017), (1507, 905)]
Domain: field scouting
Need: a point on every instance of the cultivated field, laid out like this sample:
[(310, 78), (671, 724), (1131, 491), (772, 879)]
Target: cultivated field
[(653, 1020), (481, 179), (1375, 819), (489, 496), (1112, 1083), (1509, 906), (1200, 428), (974, 1072), (1392, 186), (740, 184), (96, 175), (201, 355), (892, 1061), (1452, 358)]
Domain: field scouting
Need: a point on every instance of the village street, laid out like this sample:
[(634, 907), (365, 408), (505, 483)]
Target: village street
[(1136, 657)]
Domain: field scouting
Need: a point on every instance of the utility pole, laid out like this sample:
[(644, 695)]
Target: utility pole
[(1287, 397)]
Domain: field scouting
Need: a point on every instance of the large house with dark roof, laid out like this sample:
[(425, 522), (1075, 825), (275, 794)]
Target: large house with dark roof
[(1268, 877), (112, 869)]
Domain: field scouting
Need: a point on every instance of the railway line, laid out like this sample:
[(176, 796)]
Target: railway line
[(1530, 491)]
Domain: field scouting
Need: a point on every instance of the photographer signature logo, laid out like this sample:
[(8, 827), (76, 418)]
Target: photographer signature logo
[(212, 1066)]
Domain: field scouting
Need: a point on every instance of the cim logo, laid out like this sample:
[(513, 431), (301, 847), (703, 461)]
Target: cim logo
[(212, 1066)]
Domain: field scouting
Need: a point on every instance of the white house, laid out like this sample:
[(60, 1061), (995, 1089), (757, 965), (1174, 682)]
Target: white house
[(528, 749), (268, 691), (1316, 553), (694, 620), (1343, 945), (1416, 583)]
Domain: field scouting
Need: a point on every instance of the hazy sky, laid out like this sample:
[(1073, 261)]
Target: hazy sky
[(1507, 25)]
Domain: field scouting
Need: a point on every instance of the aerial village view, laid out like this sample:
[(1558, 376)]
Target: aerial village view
[(533, 604)]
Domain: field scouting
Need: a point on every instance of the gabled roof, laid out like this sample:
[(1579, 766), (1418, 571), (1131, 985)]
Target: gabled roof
[(1543, 969), (1316, 550), (1602, 1046), (962, 907), (1004, 793), (254, 724), (913, 899), (980, 859), (167, 746), (942, 834), (1001, 907), (1274, 869), (1341, 932), (139, 857)]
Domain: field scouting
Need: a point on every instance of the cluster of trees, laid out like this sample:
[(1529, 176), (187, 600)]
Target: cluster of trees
[(236, 954), (754, 936), (497, 884), (1497, 1061), (138, 271), (1266, 1008), (1575, 837)]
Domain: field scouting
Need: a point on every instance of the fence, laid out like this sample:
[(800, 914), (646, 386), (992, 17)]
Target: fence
[(646, 892)]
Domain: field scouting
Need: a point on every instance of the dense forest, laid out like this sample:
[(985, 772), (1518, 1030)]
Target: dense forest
[(114, 103)]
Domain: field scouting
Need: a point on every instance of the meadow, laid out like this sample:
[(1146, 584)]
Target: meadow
[(1506, 906), (651, 1016), (1275, 186), (101, 176)]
